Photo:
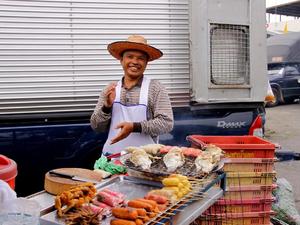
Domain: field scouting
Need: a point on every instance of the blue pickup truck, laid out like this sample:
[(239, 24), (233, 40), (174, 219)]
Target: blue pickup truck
[(54, 63), (39, 147)]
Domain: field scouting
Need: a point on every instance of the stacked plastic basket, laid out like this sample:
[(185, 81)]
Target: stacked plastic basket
[(249, 166)]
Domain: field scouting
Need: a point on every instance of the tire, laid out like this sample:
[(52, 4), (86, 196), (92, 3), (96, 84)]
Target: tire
[(289, 100), (276, 98)]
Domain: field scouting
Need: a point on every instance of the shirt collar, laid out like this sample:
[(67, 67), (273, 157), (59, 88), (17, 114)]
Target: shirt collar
[(138, 84)]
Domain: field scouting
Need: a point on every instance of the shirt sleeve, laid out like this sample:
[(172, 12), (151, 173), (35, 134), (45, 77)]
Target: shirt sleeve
[(101, 117), (159, 104)]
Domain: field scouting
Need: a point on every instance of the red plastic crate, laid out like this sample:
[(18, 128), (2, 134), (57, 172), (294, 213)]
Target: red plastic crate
[(245, 218), (236, 146), (241, 206)]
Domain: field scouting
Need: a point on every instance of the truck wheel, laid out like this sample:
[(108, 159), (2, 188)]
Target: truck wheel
[(276, 98)]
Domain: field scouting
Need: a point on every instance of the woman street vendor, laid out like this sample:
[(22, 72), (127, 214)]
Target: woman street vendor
[(135, 110)]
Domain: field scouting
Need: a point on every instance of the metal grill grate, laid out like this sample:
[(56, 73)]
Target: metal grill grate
[(229, 54)]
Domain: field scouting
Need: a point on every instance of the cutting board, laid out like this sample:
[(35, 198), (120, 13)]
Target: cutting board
[(56, 185)]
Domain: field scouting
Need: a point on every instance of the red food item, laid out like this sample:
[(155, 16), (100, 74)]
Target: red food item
[(194, 152), (165, 149), (157, 198), (116, 194), (108, 199), (105, 209), (100, 204)]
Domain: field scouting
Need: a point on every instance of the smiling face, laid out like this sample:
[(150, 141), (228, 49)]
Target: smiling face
[(134, 63)]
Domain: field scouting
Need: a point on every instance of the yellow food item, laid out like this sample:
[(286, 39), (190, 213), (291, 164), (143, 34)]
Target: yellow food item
[(173, 181), (175, 189), (180, 194), (180, 185)]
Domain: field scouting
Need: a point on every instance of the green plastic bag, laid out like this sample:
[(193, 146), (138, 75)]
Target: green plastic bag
[(103, 164)]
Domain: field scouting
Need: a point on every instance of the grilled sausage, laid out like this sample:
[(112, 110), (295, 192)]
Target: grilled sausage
[(139, 222), (140, 204), (151, 202), (162, 207), (141, 212), (158, 198), (121, 222), (125, 213)]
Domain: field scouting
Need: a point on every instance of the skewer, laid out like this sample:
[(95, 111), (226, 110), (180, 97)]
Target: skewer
[(180, 210), (172, 214), (155, 221)]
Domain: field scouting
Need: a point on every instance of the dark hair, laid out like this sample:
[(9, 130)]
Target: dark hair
[(122, 53)]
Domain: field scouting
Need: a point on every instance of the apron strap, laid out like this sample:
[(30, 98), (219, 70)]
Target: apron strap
[(118, 91), (144, 91)]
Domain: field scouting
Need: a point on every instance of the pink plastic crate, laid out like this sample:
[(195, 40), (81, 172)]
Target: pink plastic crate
[(245, 218), (240, 206), (236, 146), (248, 165), (249, 192)]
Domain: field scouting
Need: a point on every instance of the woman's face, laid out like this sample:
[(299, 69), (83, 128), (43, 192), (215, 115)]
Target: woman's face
[(134, 63)]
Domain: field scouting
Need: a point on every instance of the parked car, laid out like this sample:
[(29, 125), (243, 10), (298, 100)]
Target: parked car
[(284, 67), (285, 82)]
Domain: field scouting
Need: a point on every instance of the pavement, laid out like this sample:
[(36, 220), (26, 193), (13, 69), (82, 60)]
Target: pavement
[(283, 127)]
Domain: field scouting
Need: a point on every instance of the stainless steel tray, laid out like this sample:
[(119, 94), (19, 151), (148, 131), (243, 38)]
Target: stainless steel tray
[(130, 186), (136, 188)]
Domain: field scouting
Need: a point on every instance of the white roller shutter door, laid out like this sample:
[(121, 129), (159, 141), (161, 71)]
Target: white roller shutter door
[(53, 56)]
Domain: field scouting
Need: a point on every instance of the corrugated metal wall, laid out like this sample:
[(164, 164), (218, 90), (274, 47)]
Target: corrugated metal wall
[(53, 55)]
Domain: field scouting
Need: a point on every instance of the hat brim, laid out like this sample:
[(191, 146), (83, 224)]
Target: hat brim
[(116, 49)]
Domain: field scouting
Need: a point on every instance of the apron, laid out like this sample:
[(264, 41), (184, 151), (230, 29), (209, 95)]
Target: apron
[(129, 113)]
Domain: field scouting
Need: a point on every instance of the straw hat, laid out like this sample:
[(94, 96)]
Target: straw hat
[(134, 42)]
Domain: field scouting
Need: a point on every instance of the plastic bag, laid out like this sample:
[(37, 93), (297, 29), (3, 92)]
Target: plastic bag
[(6, 193), (270, 95), (20, 211), (284, 206)]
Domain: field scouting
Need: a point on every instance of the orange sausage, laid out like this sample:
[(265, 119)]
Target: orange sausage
[(121, 222), (162, 207), (141, 212), (139, 222), (151, 202), (125, 213), (146, 219), (158, 198), (140, 204), (152, 214)]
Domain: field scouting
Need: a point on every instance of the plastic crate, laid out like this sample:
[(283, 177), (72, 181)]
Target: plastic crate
[(239, 179), (241, 206), (248, 165), (250, 218), (249, 192), (236, 146)]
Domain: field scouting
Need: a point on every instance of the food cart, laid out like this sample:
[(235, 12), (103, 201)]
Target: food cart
[(204, 190)]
